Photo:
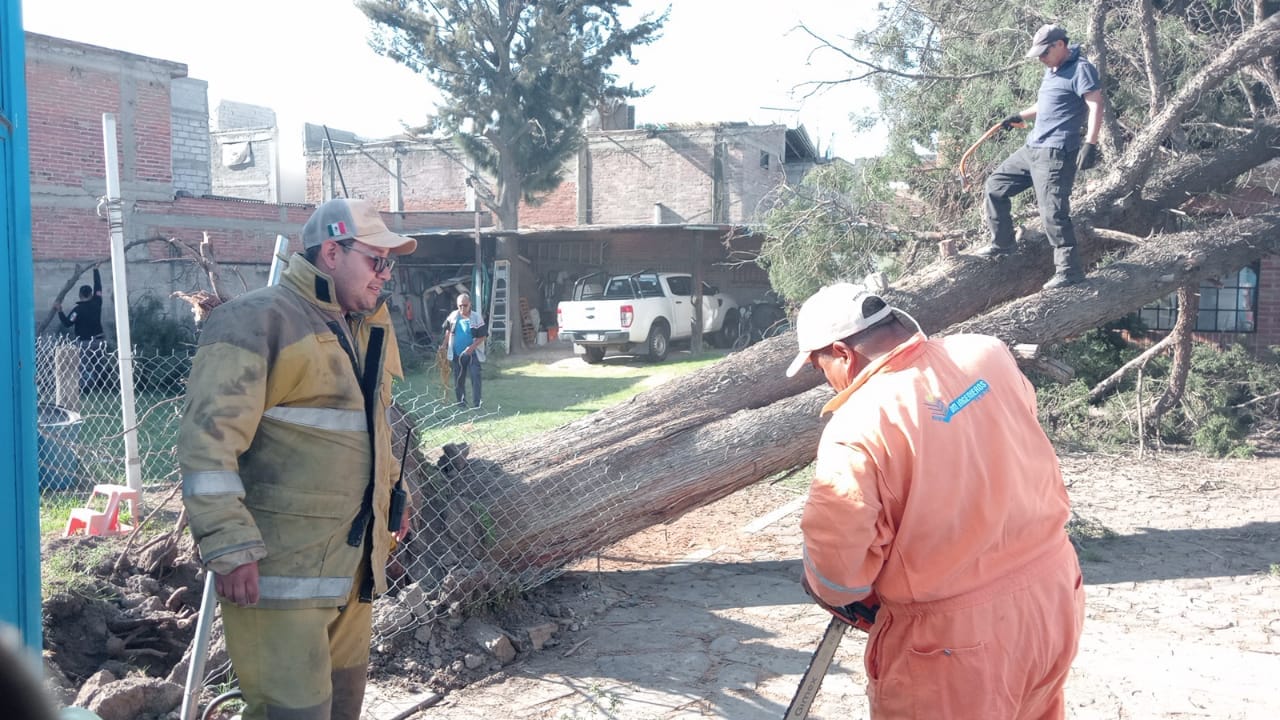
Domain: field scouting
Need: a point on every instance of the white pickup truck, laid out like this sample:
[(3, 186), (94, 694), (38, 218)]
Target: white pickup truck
[(646, 310)]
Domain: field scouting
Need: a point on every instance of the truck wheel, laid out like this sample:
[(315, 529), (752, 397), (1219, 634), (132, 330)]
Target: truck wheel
[(728, 331), (656, 345), (592, 354)]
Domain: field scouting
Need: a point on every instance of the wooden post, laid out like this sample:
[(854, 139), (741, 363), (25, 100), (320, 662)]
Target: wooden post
[(66, 376), (695, 342)]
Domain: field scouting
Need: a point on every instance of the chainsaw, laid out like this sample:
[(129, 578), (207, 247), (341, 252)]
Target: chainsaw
[(858, 615)]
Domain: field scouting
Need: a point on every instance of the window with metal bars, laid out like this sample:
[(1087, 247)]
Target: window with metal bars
[(1228, 304)]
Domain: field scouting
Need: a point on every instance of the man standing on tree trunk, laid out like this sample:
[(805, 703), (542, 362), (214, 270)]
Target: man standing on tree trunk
[(937, 495), (1070, 93)]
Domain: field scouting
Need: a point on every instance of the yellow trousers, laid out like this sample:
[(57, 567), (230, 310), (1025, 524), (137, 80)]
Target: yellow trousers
[(307, 664)]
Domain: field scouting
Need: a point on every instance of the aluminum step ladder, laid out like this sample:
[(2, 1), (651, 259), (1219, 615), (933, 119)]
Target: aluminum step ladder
[(499, 307)]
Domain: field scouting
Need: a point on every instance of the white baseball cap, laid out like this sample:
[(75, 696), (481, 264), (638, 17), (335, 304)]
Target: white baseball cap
[(353, 219), (833, 313)]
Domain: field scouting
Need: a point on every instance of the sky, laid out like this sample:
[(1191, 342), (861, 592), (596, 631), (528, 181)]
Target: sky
[(309, 60)]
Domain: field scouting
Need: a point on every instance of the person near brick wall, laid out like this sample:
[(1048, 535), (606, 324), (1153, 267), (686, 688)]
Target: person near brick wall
[(464, 334), (287, 473), (86, 320)]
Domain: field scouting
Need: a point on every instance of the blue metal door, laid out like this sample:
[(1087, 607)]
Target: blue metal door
[(19, 496)]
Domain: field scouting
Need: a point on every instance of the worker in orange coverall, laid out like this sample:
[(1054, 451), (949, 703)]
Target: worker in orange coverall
[(938, 496)]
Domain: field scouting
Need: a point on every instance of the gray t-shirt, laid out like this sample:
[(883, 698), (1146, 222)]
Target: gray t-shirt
[(1060, 108)]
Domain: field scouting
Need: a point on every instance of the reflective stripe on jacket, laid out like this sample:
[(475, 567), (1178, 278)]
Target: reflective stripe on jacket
[(274, 443), (933, 476)]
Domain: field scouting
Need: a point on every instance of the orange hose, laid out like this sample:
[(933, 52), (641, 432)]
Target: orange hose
[(964, 180)]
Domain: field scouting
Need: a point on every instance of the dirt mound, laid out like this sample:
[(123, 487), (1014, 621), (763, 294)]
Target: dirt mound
[(126, 609), (119, 623)]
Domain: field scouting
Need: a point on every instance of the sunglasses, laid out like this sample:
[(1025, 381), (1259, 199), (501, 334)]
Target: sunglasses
[(380, 264)]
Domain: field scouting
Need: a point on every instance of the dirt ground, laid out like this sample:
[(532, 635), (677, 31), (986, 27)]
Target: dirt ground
[(704, 617)]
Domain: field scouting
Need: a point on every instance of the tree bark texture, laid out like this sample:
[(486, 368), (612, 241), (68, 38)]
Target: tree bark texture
[(587, 484), (1188, 309), (698, 438)]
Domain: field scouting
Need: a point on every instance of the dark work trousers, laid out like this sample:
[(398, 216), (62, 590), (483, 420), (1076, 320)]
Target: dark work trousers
[(1052, 172), (91, 362), (464, 366)]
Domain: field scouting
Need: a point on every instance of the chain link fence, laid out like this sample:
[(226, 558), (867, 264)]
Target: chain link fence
[(453, 558)]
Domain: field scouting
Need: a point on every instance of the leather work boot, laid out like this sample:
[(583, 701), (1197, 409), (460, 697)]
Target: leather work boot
[(992, 251), (1061, 279)]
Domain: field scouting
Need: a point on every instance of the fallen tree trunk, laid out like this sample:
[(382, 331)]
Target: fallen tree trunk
[(587, 484)]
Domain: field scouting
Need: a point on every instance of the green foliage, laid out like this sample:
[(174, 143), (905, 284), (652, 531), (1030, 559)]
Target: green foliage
[(947, 70), (72, 568), (817, 232), (1097, 353), (163, 345), (1227, 394), (154, 332), (518, 77), (1220, 406)]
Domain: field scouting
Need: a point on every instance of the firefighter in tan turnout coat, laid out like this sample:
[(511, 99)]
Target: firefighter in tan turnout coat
[(287, 470)]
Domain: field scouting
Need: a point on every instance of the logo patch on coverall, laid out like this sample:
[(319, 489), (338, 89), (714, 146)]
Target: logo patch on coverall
[(945, 411)]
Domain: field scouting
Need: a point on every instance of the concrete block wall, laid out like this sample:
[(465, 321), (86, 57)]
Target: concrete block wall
[(235, 124), (753, 168), (699, 174), (632, 170), (433, 178), (189, 110), (231, 115)]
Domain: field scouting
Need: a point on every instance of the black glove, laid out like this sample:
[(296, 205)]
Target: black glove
[(1087, 157), (860, 614), (1014, 120)]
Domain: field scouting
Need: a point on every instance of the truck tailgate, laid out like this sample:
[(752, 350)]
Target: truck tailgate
[(591, 315)]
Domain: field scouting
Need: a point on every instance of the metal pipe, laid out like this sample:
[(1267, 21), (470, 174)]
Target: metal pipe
[(120, 288), (195, 671)]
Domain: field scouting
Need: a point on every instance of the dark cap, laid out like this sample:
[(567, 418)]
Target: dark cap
[(1045, 36)]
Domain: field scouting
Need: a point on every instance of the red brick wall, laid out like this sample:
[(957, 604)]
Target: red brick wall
[(70, 86), (68, 233), (240, 232), (66, 136), (1269, 301), (559, 208)]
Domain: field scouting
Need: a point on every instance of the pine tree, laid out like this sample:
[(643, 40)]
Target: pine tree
[(517, 78)]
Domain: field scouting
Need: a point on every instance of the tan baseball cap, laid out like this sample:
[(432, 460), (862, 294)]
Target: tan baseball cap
[(353, 219)]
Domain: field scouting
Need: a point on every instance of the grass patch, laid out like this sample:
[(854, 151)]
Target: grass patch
[(796, 480), (1081, 529), (55, 508), (70, 570), (526, 396)]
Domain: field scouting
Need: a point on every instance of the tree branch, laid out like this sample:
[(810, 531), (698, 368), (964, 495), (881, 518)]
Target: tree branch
[(816, 86)]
